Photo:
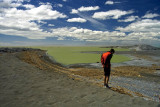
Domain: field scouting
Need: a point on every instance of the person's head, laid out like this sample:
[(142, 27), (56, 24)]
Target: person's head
[(112, 51)]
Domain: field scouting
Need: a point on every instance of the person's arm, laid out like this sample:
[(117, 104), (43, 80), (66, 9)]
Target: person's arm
[(102, 60)]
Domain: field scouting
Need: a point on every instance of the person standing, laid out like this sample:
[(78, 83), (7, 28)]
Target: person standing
[(105, 61)]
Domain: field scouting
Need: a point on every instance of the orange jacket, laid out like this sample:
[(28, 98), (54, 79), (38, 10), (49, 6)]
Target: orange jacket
[(105, 59)]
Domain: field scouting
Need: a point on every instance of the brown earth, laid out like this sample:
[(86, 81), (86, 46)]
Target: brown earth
[(30, 78)]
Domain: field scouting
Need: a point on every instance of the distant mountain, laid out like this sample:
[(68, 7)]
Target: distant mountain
[(135, 47), (144, 47)]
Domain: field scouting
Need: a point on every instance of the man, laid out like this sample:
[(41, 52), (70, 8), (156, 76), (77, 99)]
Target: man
[(105, 60)]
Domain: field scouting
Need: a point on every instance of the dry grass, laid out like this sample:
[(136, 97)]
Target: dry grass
[(36, 58), (126, 91), (89, 72), (121, 90), (133, 71), (128, 71)]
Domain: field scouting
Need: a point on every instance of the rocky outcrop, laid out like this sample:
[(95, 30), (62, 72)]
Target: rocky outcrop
[(12, 50), (148, 47)]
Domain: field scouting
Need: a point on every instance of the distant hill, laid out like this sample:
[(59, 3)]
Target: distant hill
[(148, 47), (144, 47), (136, 47)]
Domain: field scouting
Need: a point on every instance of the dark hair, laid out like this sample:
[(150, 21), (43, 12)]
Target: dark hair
[(112, 50)]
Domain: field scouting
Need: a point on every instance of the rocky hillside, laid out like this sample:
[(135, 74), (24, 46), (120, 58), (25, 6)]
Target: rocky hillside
[(11, 50)]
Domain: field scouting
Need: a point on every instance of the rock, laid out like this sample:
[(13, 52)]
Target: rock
[(12, 50)]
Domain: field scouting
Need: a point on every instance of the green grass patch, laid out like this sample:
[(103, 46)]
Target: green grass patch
[(73, 55)]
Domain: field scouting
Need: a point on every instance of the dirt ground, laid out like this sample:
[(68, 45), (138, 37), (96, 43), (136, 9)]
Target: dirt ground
[(30, 78)]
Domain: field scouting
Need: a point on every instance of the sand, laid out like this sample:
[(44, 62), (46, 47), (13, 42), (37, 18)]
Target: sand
[(25, 84)]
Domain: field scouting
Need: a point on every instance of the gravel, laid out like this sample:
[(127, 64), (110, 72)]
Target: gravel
[(151, 90)]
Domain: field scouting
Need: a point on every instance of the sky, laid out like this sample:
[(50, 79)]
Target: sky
[(79, 22)]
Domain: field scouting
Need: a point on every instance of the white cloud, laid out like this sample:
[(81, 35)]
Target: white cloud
[(129, 19), (82, 9), (64, 0), (61, 38), (91, 8), (111, 14), (151, 15), (41, 22), (109, 2), (146, 29), (50, 24), (94, 22), (142, 37), (87, 34), (33, 13), (81, 20), (74, 11), (31, 34), (58, 5), (146, 25), (9, 3), (20, 22), (29, 6)]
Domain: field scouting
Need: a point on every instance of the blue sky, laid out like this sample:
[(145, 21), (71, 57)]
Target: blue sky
[(79, 22)]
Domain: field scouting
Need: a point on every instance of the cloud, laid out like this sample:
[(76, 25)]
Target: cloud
[(110, 2), (145, 29), (86, 34), (111, 14), (26, 23), (90, 8), (81, 20), (33, 13), (50, 24), (94, 22), (83, 9), (29, 6), (61, 33), (58, 5), (74, 11), (139, 36), (145, 25), (30, 34), (11, 3), (41, 22), (129, 19), (14, 20), (150, 15)]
